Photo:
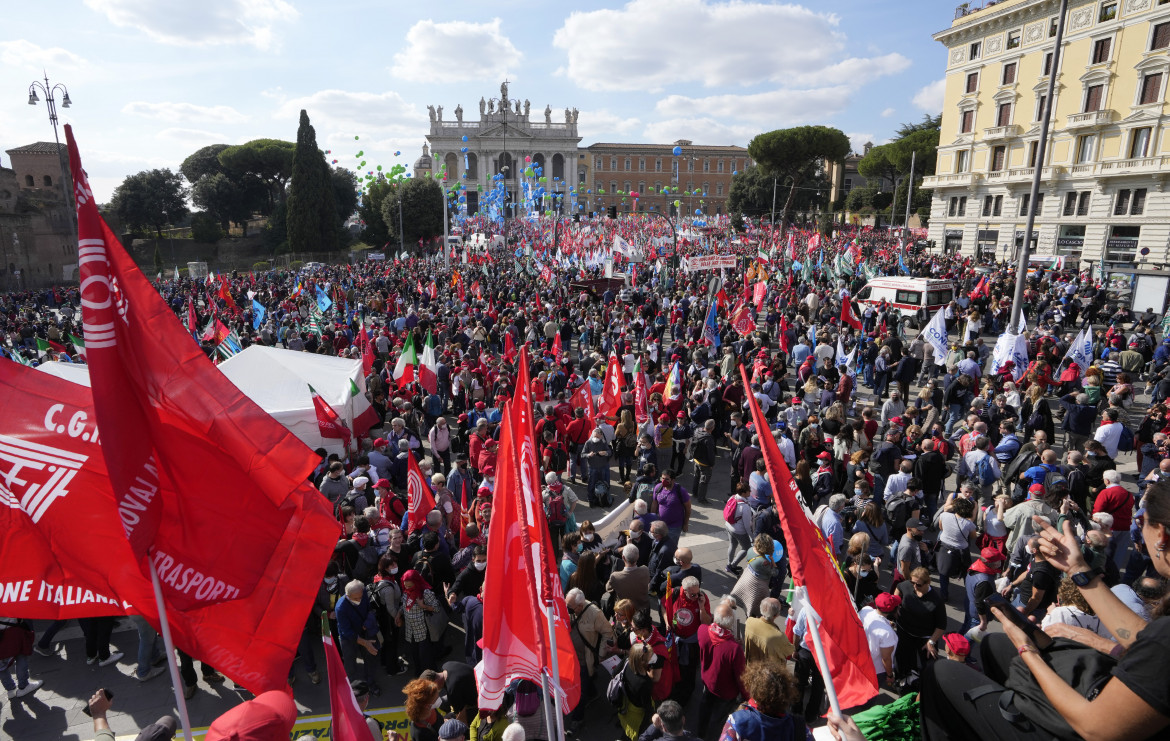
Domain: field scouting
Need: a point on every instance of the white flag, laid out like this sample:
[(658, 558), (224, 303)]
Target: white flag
[(1020, 357), (1081, 350), (1002, 352), (621, 246), (842, 358), (936, 335), (1023, 326), (968, 332)]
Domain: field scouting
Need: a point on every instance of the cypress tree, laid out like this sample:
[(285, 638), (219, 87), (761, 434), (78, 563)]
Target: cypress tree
[(312, 214)]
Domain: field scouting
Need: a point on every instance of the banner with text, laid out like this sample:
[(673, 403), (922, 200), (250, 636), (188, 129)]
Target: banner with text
[(710, 262)]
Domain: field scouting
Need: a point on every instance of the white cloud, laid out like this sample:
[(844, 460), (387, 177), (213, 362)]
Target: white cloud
[(930, 97), (704, 130), (184, 112), (650, 44), (354, 113), (190, 136), (778, 107), (455, 51), (200, 23), (888, 112), (595, 123), (27, 55), (857, 141)]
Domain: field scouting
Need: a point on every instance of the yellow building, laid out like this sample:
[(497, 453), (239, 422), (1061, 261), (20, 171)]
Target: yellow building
[(1102, 188)]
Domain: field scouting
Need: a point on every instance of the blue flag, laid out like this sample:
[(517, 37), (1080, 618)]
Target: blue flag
[(323, 301), (710, 329), (902, 264), (258, 314)]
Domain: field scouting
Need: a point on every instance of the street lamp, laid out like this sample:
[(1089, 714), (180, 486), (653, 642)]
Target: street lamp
[(501, 104), (48, 90)]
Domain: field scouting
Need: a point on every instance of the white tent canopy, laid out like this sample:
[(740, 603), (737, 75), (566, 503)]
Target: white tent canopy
[(278, 381)]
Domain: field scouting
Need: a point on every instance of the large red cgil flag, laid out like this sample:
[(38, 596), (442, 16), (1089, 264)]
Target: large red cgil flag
[(64, 554), (611, 394), (846, 647), (847, 315), (420, 500), (207, 485), (522, 571)]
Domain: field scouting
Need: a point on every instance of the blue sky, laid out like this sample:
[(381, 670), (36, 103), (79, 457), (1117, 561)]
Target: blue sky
[(154, 80)]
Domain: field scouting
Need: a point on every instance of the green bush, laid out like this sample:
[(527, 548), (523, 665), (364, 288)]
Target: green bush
[(296, 265), (261, 266)]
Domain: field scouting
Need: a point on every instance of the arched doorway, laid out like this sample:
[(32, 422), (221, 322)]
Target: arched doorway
[(558, 166)]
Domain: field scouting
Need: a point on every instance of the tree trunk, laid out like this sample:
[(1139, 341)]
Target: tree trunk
[(784, 219)]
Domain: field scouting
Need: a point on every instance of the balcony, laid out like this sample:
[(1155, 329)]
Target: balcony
[(954, 180), (1088, 120), (1024, 174), (1135, 166), (1001, 132)]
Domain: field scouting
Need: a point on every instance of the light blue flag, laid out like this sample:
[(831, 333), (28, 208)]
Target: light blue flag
[(323, 302), (710, 329), (258, 314)]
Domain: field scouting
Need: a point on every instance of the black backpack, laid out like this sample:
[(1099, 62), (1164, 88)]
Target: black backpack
[(765, 521), (1055, 484), (898, 509), (367, 563)]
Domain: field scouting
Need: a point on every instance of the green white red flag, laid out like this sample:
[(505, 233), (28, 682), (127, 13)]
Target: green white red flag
[(428, 371), (406, 369)]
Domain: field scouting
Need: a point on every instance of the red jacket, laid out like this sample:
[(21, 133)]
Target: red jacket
[(721, 662), (1117, 501)]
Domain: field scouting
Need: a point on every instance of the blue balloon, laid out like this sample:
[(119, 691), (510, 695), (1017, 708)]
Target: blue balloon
[(463, 150), (465, 137), (698, 212), (677, 151), (735, 172)]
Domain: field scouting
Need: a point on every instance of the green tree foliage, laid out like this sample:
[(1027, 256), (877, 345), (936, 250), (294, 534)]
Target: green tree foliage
[(345, 197), (312, 210), (751, 191), (203, 162), (149, 200), (276, 230), (916, 143), (422, 211), (229, 199), (270, 160), (374, 230), (791, 155)]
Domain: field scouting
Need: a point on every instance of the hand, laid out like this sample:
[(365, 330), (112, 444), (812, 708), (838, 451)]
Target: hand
[(931, 650), (1014, 633), (843, 728), (99, 704), (1062, 550)]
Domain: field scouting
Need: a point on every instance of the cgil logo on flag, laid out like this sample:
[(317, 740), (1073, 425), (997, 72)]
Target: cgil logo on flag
[(37, 475)]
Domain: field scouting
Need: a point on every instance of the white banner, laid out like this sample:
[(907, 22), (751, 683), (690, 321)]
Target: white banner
[(936, 335), (710, 262)]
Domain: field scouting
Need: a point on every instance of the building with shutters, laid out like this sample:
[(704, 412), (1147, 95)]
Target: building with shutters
[(1102, 195)]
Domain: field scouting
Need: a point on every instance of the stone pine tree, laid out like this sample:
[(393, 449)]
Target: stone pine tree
[(794, 156), (312, 212)]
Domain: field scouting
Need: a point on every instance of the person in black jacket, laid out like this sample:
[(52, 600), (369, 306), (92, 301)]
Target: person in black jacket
[(931, 469), (1079, 416)]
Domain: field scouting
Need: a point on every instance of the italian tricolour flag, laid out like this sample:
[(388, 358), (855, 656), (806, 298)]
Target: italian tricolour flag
[(428, 372), (405, 370)]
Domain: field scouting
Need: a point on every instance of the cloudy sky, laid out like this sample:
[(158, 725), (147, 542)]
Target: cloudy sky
[(152, 81)]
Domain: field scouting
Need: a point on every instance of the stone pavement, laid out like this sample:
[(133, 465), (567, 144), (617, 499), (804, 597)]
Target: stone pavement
[(54, 712)]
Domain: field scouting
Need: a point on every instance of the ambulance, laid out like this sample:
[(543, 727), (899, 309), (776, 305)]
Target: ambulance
[(907, 295)]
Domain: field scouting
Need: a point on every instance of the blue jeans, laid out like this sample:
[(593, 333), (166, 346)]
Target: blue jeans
[(867, 372), (954, 414), (149, 650), (20, 663)]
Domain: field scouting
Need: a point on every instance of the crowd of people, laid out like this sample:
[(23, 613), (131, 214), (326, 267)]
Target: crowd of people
[(969, 484)]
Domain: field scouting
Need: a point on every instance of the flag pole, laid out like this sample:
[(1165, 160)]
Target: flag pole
[(165, 625), (814, 630), (550, 618)]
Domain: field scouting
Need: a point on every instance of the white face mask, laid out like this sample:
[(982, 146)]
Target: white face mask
[(862, 574), (394, 570), (677, 562), (480, 565), (588, 537)]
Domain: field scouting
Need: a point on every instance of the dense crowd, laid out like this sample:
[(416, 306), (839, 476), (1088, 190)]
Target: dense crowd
[(970, 483)]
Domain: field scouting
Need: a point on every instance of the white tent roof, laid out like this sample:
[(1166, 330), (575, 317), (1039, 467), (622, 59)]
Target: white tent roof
[(278, 381)]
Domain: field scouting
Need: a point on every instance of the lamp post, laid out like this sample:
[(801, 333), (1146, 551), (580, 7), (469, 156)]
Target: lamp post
[(49, 90), (501, 104)]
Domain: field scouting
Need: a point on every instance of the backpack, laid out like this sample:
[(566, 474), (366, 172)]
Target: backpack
[(527, 698), (766, 522), (898, 509), (602, 493), (1125, 442), (367, 563), (1055, 484), (392, 508), (615, 691), (346, 501), (984, 471), (731, 510), (555, 509)]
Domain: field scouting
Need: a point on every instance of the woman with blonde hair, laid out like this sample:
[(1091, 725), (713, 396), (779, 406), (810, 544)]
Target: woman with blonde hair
[(755, 583), (625, 441), (637, 685), (1037, 412)]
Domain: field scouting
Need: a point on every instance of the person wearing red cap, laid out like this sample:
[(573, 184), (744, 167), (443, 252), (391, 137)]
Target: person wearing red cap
[(958, 648), (980, 584), (877, 619), (268, 717)]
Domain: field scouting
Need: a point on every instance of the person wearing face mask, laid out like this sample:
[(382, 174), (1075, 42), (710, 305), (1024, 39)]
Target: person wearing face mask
[(922, 621), (689, 608), (470, 580), (737, 518), (637, 536), (1035, 588), (422, 703), (421, 628), (877, 620), (861, 578), (357, 626), (597, 454), (386, 595)]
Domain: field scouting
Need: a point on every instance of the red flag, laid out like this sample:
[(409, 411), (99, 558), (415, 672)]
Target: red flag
[(846, 647), (169, 418), (742, 320), (348, 723), (65, 548), (192, 322), (434, 290), (760, 293), (783, 333), (367, 348), (557, 348), (982, 288), (516, 636), (328, 423), (641, 397), (419, 498), (721, 299), (509, 347), (847, 315), (226, 295), (611, 396), (583, 399)]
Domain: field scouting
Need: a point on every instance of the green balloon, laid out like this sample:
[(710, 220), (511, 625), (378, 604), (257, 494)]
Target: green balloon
[(677, 204), (379, 168)]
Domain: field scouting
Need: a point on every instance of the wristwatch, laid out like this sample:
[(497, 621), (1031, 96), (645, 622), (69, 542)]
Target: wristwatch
[(1083, 578)]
